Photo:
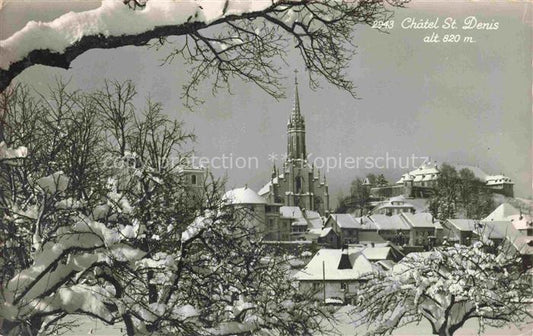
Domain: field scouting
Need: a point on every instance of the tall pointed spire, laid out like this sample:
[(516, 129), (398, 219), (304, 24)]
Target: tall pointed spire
[(296, 108), (296, 128)]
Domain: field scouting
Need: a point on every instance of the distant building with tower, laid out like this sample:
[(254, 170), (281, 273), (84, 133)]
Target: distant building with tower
[(298, 183), (293, 202), (422, 181)]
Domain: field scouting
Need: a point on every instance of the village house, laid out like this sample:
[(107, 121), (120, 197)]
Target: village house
[(328, 238), (401, 229), (457, 230), (338, 273), (393, 206), (422, 181), (391, 228), (506, 212), (255, 210), (423, 229)]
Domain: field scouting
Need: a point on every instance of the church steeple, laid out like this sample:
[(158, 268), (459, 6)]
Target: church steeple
[(296, 114), (296, 128)]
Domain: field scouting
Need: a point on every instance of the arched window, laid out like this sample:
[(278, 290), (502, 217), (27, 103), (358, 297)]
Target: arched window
[(299, 183)]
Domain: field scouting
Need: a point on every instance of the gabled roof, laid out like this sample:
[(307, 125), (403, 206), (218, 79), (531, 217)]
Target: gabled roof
[(386, 264), (345, 221), (498, 230), (419, 220), (325, 231), (266, 188), (314, 219), (384, 222), (328, 260), (377, 253), (366, 223), (502, 212), (420, 204), (463, 224)]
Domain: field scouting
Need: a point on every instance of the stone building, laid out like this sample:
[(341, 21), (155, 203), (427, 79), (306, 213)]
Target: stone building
[(298, 183)]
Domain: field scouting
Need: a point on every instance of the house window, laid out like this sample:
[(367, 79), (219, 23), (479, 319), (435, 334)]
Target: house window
[(344, 285), (193, 179), (316, 286)]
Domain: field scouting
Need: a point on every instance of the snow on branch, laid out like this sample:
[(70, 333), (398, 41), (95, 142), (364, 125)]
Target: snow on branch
[(321, 30), (113, 24)]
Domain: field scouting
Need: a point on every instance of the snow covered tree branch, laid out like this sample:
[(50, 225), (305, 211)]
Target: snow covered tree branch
[(447, 287), (222, 38), (98, 221)]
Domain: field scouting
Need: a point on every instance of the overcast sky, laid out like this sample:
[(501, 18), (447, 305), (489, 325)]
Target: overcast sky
[(467, 103)]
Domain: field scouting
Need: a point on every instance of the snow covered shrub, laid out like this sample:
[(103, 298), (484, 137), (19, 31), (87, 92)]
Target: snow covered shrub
[(447, 287)]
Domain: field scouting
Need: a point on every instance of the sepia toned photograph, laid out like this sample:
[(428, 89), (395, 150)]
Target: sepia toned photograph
[(266, 167)]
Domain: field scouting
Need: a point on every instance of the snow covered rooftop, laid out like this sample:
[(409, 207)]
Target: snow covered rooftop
[(291, 212), (426, 172), (314, 219), (521, 222), (384, 222), (243, 195), (324, 232), (419, 220), (377, 253), (502, 212), (328, 260), (463, 224), (498, 179), (346, 221)]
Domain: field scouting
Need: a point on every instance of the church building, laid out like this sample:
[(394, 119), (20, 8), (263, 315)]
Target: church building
[(298, 183)]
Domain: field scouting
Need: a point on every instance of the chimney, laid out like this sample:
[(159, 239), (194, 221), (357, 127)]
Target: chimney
[(344, 263)]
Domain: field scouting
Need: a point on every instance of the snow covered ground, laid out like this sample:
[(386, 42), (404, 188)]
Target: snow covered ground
[(92, 327), (344, 327)]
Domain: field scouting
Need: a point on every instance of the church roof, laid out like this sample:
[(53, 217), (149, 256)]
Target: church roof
[(243, 195), (266, 188)]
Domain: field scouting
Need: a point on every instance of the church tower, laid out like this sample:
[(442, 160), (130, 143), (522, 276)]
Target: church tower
[(296, 129), (298, 184)]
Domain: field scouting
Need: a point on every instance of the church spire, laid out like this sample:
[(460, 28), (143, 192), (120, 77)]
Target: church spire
[(296, 108), (296, 127)]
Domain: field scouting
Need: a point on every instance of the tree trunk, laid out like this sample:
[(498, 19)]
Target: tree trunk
[(445, 332)]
